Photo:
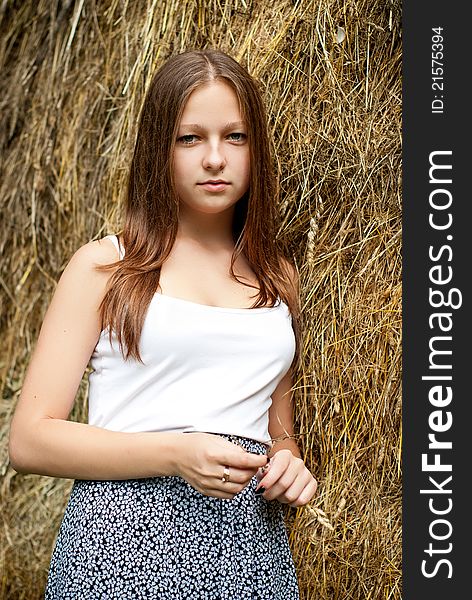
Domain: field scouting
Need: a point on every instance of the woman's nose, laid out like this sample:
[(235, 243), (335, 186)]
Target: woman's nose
[(214, 157)]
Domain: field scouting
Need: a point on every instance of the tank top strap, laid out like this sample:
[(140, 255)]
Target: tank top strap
[(116, 243)]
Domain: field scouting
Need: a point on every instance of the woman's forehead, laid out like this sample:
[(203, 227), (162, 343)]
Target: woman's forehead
[(215, 99)]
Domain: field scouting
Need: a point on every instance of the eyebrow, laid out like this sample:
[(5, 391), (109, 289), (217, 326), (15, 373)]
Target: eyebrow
[(198, 127)]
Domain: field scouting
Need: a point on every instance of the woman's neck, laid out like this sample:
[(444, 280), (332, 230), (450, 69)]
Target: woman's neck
[(209, 230)]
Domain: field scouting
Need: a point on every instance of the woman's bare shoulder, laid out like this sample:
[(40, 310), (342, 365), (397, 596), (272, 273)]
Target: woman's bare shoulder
[(96, 252), (81, 278)]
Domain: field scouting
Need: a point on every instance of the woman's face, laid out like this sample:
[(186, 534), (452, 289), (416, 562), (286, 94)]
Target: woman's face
[(211, 145)]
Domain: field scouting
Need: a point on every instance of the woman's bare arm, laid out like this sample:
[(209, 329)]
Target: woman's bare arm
[(286, 479), (281, 417), (281, 410), (42, 440)]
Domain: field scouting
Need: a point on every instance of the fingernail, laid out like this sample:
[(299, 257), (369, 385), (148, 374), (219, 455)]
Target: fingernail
[(260, 491)]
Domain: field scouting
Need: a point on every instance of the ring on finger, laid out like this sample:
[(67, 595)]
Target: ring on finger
[(225, 477)]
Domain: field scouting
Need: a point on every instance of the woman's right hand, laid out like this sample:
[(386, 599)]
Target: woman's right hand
[(202, 457)]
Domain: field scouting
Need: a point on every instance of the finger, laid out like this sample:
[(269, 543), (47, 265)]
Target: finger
[(241, 476), (226, 490), (245, 460), (292, 492), (276, 471), (230, 488), (237, 453), (306, 495), (284, 483)]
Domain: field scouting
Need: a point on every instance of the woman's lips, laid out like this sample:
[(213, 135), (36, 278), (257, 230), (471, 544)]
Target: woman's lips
[(214, 187)]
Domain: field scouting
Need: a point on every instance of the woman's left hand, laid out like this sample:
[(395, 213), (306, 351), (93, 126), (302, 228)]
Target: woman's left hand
[(287, 480)]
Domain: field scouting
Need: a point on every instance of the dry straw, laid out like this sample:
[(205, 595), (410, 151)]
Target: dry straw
[(73, 77)]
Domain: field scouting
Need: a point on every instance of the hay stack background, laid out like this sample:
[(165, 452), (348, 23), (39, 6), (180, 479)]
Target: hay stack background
[(73, 77)]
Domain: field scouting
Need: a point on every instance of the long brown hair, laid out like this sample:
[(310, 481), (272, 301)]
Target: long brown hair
[(152, 205)]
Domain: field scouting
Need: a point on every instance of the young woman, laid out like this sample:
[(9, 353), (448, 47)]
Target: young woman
[(189, 319)]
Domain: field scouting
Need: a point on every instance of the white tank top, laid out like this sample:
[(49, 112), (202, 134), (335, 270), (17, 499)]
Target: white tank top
[(208, 369)]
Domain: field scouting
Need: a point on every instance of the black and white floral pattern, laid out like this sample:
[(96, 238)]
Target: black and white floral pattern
[(160, 539)]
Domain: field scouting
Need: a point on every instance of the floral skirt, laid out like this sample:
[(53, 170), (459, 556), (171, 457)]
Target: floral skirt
[(160, 539)]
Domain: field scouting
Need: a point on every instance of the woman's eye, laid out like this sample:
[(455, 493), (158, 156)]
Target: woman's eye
[(237, 137), (186, 139)]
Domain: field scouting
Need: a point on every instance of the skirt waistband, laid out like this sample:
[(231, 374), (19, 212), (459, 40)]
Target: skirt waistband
[(248, 444)]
